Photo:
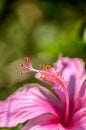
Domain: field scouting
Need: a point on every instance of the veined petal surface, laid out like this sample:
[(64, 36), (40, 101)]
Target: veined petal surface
[(44, 122), (26, 103)]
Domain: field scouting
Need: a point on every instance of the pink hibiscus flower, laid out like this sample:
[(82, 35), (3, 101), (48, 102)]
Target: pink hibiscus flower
[(44, 109)]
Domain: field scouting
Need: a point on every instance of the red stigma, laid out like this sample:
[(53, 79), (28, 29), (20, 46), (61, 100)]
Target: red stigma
[(21, 72), (28, 66), (22, 64), (27, 59)]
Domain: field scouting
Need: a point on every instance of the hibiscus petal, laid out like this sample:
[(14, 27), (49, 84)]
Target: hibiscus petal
[(79, 120), (1, 103), (81, 101), (73, 70), (43, 122), (83, 88), (26, 103)]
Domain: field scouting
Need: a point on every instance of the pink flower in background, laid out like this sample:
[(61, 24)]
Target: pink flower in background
[(43, 109)]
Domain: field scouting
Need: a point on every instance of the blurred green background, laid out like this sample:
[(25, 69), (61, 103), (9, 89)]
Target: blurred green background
[(41, 30)]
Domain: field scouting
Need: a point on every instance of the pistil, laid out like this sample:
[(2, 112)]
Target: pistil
[(51, 76)]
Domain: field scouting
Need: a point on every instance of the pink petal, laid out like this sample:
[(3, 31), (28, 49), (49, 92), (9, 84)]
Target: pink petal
[(73, 70), (81, 101), (26, 103), (43, 122), (1, 102), (83, 89), (79, 120)]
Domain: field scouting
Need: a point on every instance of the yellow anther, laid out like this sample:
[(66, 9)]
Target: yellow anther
[(48, 67), (42, 66), (45, 67)]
